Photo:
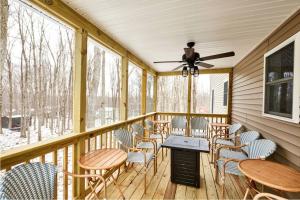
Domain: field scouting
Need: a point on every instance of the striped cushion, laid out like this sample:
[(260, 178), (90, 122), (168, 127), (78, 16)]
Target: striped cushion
[(226, 153), (29, 181)]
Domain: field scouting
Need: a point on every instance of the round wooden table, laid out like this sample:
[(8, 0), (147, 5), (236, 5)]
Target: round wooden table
[(270, 174), (109, 160)]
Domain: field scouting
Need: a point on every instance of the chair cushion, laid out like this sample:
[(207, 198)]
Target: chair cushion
[(138, 157), (224, 142), (226, 153), (231, 167)]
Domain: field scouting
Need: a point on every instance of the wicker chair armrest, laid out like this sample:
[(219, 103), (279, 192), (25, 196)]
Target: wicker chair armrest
[(227, 147)]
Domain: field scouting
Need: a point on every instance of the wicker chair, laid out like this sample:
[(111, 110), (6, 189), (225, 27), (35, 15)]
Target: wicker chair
[(199, 127), (146, 143), (258, 149), (245, 139), (135, 155), (29, 181), (178, 126), (222, 139)]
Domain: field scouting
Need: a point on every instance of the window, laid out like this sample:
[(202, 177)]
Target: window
[(172, 94), (225, 93), (209, 93), (282, 82), (134, 90), (36, 78), (149, 100), (103, 85)]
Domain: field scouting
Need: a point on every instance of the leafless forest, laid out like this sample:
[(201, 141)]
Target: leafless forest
[(37, 72)]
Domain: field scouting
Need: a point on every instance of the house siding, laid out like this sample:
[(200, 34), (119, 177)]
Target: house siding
[(247, 96), (217, 84)]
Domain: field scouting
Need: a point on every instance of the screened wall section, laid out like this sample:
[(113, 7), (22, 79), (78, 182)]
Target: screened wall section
[(36, 78), (172, 94), (149, 94), (134, 90), (103, 85)]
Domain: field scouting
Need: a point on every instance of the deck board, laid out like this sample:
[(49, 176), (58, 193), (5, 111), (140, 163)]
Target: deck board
[(160, 186)]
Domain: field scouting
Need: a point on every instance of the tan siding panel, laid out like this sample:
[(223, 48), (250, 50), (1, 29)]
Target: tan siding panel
[(247, 96)]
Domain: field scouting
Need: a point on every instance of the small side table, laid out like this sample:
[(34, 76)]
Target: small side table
[(103, 159), (271, 174)]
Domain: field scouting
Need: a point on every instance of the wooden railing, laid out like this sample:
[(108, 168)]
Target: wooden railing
[(65, 150)]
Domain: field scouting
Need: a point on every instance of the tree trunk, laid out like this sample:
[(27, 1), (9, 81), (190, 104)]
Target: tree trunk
[(102, 107), (10, 86), (3, 47)]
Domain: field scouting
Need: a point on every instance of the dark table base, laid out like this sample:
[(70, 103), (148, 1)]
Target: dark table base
[(185, 167)]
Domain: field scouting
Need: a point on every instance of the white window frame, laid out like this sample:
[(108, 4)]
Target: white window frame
[(296, 80)]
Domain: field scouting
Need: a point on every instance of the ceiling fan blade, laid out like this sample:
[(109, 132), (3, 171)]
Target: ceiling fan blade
[(180, 66), (221, 55), (168, 61), (203, 64)]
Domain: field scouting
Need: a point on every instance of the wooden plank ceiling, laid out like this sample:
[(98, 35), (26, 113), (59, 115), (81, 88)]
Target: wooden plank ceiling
[(158, 30)]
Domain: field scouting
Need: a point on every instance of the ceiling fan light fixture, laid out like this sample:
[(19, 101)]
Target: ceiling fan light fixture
[(185, 72), (196, 71), (192, 70)]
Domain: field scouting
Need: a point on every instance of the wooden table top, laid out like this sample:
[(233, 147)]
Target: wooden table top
[(102, 159), (271, 174), (220, 124)]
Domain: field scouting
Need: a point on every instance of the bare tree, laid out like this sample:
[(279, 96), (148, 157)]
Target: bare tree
[(3, 48)]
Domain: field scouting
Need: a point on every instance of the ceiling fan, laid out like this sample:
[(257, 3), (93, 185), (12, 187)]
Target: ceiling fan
[(191, 60)]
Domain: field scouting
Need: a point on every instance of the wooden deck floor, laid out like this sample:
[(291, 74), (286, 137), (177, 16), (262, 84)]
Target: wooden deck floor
[(160, 186)]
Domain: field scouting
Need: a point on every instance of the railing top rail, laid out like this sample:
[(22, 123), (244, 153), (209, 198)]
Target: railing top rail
[(23, 153), (192, 114)]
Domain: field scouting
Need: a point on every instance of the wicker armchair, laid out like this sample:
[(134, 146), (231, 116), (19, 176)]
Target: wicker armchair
[(178, 126), (29, 181), (222, 139), (135, 155), (146, 143), (258, 149), (199, 127)]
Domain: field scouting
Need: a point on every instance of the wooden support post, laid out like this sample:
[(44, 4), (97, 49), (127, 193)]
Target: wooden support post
[(144, 92), (189, 104), (155, 93), (79, 105), (124, 89), (229, 102)]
